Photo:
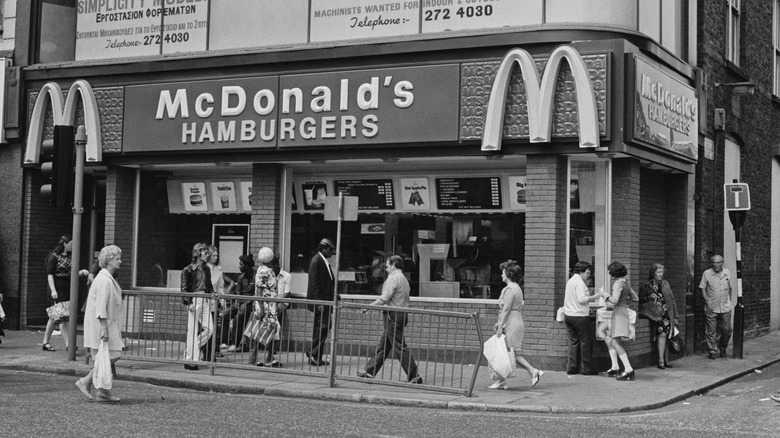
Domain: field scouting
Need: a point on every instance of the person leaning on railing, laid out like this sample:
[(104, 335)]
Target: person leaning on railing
[(239, 311)]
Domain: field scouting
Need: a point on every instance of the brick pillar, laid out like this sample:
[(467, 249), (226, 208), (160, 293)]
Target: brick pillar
[(266, 213), (626, 218), (120, 191), (679, 265), (545, 260)]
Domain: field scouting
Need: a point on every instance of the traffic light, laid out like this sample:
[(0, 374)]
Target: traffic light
[(57, 167)]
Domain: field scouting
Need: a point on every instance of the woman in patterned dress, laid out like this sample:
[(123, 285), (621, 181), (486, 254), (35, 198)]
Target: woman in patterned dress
[(58, 281), (510, 321), (660, 293), (265, 286)]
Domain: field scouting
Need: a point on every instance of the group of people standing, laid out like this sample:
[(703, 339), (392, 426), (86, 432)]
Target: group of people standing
[(204, 275), (716, 290)]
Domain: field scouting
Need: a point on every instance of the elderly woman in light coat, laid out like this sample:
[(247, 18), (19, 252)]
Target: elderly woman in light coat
[(103, 318)]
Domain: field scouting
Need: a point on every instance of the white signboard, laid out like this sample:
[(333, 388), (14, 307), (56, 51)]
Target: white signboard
[(448, 15), (517, 185), (121, 29), (223, 196), (415, 194), (194, 196), (332, 20), (246, 193)]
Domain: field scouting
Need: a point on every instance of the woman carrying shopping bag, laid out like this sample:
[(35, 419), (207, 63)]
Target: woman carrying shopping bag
[(103, 322), (510, 321)]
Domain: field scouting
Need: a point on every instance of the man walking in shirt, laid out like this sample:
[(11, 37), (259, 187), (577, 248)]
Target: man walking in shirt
[(395, 293), (715, 286)]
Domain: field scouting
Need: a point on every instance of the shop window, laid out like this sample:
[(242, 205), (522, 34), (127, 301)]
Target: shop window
[(447, 256), (588, 217), (165, 239), (56, 31)]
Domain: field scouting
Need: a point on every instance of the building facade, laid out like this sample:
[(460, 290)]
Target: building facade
[(739, 45), (564, 135)]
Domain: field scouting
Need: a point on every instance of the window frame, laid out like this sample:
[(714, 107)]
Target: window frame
[(734, 23), (776, 52)]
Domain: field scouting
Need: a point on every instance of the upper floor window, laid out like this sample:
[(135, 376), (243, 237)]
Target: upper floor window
[(776, 53), (732, 47)]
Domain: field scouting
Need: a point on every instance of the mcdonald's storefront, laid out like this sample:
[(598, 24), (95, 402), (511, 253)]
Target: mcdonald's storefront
[(460, 159)]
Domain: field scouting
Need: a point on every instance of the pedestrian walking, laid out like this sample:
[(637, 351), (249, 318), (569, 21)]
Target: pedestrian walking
[(658, 291), (510, 320), (395, 294), (58, 265), (576, 308), (265, 311), (715, 286), (104, 319), (619, 332), (321, 287), (196, 278)]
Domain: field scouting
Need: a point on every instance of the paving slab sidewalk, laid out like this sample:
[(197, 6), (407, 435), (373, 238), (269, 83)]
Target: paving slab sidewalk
[(557, 392)]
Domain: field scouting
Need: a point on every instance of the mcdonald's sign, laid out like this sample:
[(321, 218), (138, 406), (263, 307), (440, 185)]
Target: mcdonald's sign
[(540, 94), (64, 113)]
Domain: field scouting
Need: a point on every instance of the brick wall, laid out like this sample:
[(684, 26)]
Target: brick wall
[(266, 214), (42, 227), (120, 201), (545, 260)]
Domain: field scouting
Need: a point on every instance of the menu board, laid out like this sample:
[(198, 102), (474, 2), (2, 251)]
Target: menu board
[(372, 194), (468, 193)]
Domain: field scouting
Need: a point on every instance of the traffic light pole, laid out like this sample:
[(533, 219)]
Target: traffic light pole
[(80, 141)]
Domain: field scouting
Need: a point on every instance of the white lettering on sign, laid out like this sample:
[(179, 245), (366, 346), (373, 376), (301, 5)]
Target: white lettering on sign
[(236, 101), (668, 109)]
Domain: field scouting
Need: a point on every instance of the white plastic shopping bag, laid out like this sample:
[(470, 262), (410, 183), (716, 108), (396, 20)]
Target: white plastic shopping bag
[(498, 357), (101, 374)]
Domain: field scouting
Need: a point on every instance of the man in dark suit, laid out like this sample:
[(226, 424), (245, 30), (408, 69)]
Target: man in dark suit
[(320, 287)]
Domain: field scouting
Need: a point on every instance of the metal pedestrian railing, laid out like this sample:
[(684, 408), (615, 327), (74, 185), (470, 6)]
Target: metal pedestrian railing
[(446, 346)]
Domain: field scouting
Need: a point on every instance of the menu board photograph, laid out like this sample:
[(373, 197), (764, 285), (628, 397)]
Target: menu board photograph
[(194, 196), (372, 194), (481, 193), (223, 196)]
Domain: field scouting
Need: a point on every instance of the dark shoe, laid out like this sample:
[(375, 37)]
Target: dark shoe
[(416, 380), (612, 373), (47, 347), (712, 355), (661, 366), (626, 376), (365, 374), (314, 362), (723, 352), (191, 367), (668, 365), (590, 373), (570, 372)]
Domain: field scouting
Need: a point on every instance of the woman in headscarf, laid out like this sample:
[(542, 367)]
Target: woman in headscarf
[(266, 312)]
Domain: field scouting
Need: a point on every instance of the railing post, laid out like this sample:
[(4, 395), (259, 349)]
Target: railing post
[(475, 318)]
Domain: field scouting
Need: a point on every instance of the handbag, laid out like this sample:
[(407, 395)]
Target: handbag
[(676, 342), (101, 374), (59, 312), (261, 331), (499, 360)]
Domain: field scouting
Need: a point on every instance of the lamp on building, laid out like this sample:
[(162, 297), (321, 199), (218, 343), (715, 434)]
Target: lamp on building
[(737, 89)]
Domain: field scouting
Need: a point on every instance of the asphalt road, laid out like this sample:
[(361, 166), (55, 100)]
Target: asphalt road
[(37, 405)]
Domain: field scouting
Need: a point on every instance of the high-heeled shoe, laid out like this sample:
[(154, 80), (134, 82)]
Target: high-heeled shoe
[(501, 384), (668, 365), (626, 376), (661, 365), (612, 373)]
